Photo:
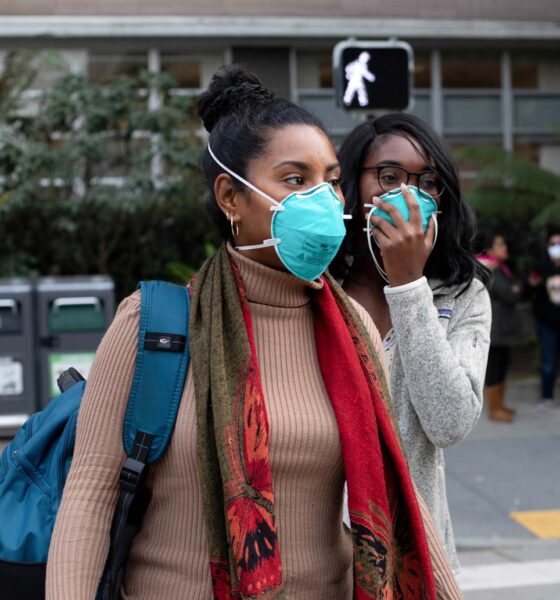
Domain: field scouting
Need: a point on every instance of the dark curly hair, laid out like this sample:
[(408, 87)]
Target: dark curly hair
[(239, 113), (451, 260)]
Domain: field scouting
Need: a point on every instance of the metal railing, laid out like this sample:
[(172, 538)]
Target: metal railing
[(466, 112)]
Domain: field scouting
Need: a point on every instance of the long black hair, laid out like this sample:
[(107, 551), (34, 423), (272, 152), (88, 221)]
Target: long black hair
[(452, 260), (239, 113), (485, 239)]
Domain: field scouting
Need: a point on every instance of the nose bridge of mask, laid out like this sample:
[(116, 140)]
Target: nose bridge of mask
[(318, 189)]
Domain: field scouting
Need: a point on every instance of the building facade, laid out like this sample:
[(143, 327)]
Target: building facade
[(484, 72)]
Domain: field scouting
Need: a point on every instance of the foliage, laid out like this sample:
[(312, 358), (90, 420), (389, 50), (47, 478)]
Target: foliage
[(96, 182), (512, 187), (514, 196), (18, 73)]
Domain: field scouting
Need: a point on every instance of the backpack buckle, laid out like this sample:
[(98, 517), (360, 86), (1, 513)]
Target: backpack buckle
[(131, 474)]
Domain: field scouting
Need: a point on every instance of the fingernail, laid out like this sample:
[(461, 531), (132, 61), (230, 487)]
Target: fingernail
[(404, 187), (375, 200)]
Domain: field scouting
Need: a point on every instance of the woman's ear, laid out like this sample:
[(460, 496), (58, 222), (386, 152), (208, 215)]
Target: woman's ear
[(227, 196)]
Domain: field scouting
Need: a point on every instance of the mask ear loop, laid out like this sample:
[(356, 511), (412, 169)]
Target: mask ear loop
[(436, 226), (370, 235)]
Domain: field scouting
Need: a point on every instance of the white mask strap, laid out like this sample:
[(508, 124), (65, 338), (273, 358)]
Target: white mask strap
[(277, 205), (266, 244), (372, 252)]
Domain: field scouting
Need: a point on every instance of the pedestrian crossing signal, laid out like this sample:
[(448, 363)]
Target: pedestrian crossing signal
[(373, 75)]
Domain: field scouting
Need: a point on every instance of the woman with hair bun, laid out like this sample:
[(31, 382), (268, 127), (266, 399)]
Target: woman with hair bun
[(285, 392), (407, 260)]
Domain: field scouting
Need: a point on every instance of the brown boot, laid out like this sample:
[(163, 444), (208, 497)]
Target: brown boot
[(511, 411), (494, 395)]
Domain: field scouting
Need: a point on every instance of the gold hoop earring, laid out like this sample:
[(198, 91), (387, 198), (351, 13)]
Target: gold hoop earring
[(236, 232)]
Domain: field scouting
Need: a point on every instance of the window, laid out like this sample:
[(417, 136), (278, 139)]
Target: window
[(534, 71), (184, 69), (314, 70), (524, 73), (105, 67), (422, 70), (471, 70)]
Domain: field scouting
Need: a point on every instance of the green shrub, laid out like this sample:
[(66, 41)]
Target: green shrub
[(95, 182)]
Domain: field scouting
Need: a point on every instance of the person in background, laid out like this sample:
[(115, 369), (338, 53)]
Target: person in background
[(425, 292), (545, 280), (504, 294)]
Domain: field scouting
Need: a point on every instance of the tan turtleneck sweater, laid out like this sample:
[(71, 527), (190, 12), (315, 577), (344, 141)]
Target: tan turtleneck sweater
[(169, 557)]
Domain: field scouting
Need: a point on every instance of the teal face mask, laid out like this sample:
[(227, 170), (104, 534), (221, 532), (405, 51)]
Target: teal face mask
[(428, 209), (427, 204), (307, 228)]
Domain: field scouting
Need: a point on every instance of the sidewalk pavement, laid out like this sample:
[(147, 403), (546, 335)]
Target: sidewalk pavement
[(502, 469)]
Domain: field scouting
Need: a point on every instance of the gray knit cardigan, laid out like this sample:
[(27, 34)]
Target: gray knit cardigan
[(437, 377)]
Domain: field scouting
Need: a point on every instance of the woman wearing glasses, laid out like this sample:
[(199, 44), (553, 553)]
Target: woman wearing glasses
[(407, 259)]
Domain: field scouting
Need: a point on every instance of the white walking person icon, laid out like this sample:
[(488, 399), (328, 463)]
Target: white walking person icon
[(356, 72)]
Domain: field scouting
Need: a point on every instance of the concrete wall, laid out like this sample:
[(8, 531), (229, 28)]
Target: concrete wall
[(545, 10)]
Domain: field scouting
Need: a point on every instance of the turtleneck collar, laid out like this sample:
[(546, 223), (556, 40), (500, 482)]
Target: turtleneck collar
[(271, 287)]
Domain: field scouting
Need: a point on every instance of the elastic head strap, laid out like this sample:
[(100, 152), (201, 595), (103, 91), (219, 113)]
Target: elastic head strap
[(370, 235), (243, 181)]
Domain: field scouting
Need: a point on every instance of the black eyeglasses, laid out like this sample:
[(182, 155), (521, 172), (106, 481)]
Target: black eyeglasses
[(390, 177)]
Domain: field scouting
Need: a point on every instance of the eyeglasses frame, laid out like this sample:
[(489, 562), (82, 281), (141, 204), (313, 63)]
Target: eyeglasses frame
[(408, 174)]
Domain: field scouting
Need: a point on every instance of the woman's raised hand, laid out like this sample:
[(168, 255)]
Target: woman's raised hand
[(405, 247)]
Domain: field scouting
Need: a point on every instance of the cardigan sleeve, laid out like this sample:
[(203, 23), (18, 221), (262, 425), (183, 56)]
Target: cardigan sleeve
[(80, 539), (443, 370), (447, 587)]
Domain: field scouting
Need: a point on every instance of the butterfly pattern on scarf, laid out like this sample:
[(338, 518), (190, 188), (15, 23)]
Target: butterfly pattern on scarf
[(376, 575), (249, 497), (221, 580)]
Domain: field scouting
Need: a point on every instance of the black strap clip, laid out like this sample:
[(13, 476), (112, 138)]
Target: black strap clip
[(131, 474)]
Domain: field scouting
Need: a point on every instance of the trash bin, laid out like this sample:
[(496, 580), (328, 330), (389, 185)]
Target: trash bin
[(17, 354), (73, 314)]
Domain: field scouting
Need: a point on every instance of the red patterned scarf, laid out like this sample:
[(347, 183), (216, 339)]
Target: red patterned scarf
[(391, 557)]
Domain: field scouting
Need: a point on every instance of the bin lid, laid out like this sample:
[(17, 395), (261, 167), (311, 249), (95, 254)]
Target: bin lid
[(75, 283), (14, 285)]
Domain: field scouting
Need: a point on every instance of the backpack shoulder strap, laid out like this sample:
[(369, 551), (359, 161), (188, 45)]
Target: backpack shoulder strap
[(161, 366)]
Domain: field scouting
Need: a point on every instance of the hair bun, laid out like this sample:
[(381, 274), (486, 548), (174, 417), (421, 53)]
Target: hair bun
[(232, 88)]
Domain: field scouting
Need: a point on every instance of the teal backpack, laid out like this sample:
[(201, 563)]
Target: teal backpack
[(34, 466)]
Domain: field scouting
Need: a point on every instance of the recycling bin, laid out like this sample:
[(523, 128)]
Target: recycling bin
[(17, 354), (73, 314)]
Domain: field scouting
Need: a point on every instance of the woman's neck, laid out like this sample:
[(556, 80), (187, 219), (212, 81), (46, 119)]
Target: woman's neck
[(272, 287), (364, 284), (363, 274)]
